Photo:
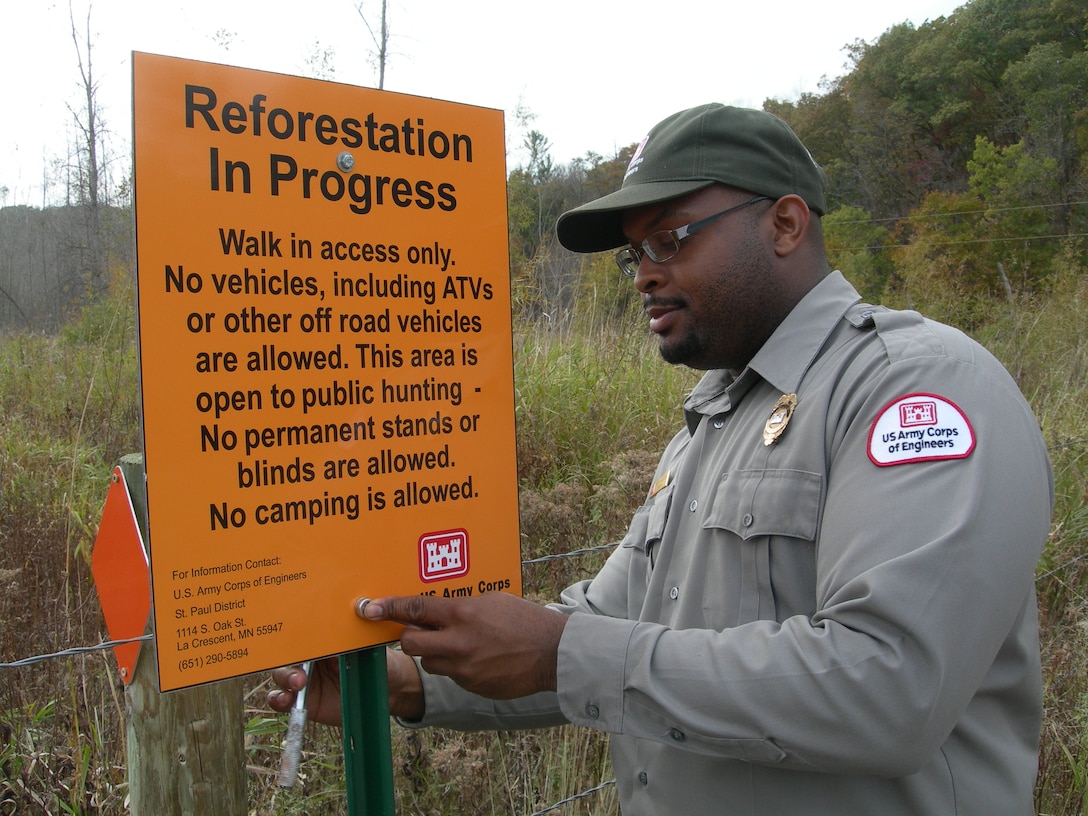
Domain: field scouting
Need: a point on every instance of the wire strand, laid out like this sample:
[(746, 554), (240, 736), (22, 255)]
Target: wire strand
[(576, 797), (75, 650), (571, 554)]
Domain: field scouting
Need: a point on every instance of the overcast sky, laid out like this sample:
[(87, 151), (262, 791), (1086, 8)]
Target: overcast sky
[(596, 74)]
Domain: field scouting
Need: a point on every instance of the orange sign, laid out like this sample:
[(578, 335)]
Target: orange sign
[(119, 566), (325, 358)]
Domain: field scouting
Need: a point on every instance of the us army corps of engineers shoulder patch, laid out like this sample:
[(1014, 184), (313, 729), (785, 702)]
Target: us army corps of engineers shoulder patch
[(920, 428)]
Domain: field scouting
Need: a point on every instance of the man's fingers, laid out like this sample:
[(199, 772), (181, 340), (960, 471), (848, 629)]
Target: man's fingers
[(288, 681), (411, 610), (427, 643), (428, 622), (289, 678), (280, 700)]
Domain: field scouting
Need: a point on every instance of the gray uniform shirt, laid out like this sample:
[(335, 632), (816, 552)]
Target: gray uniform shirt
[(840, 622)]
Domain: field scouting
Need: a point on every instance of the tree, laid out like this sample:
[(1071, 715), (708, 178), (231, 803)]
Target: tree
[(1017, 190), (823, 123), (320, 62), (533, 203), (548, 280), (960, 252), (90, 190), (858, 247), (380, 38), (906, 113), (1048, 90), (938, 268)]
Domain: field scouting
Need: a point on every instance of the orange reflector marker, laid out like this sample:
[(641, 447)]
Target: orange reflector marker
[(119, 567)]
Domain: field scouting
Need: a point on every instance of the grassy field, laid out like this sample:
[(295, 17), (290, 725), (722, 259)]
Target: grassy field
[(595, 407)]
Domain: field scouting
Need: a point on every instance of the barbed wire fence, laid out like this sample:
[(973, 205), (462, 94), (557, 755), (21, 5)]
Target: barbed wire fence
[(76, 651), (82, 650)]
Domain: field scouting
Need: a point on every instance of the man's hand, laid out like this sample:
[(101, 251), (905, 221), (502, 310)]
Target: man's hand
[(322, 692), (496, 645), (323, 688)]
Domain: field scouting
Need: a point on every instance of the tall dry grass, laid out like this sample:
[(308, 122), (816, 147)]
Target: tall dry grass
[(1045, 345), (68, 410), (595, 406)]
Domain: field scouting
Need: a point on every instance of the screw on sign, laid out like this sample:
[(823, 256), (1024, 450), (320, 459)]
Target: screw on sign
[(119, 567)]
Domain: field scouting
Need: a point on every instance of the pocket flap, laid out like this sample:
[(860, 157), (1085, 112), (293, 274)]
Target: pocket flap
[(648, 523), (752, 503)]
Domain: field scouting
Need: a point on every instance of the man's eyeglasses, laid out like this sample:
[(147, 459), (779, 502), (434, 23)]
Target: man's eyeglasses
[(664, 245)]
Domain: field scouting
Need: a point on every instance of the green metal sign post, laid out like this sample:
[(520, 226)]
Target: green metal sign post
[(368, 753)]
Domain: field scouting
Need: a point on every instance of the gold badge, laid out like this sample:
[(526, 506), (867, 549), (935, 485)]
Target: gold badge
[(779, 418), (661, 483)]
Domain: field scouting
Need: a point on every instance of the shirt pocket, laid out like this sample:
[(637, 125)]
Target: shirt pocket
[(751, 503), (648, 524), (761, 531)]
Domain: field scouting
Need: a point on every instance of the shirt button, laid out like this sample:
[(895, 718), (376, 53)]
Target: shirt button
[(719, 424), (677, 735), (643, 778), (747, 520), (592, 711), (694, 505), (674, 593)]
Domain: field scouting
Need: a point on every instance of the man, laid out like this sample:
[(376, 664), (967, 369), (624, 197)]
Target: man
[(826, 604)]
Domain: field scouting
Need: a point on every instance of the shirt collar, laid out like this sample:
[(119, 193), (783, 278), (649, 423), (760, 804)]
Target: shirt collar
[(789, 352)]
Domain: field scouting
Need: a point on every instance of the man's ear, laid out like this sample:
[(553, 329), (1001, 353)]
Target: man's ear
[(791, 217)]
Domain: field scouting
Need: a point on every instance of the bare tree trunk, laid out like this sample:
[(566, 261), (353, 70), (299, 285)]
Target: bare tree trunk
[(88, 159), (380, 40)]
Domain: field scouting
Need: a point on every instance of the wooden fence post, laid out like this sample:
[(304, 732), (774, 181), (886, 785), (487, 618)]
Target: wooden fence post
[(185, 749)]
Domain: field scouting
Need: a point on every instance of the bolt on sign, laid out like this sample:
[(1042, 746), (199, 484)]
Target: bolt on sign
[(325, 360)]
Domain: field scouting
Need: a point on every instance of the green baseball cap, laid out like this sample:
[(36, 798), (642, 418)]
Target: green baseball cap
[(748, 149)]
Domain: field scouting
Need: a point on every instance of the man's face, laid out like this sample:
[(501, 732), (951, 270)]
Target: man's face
[(714, 304)]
